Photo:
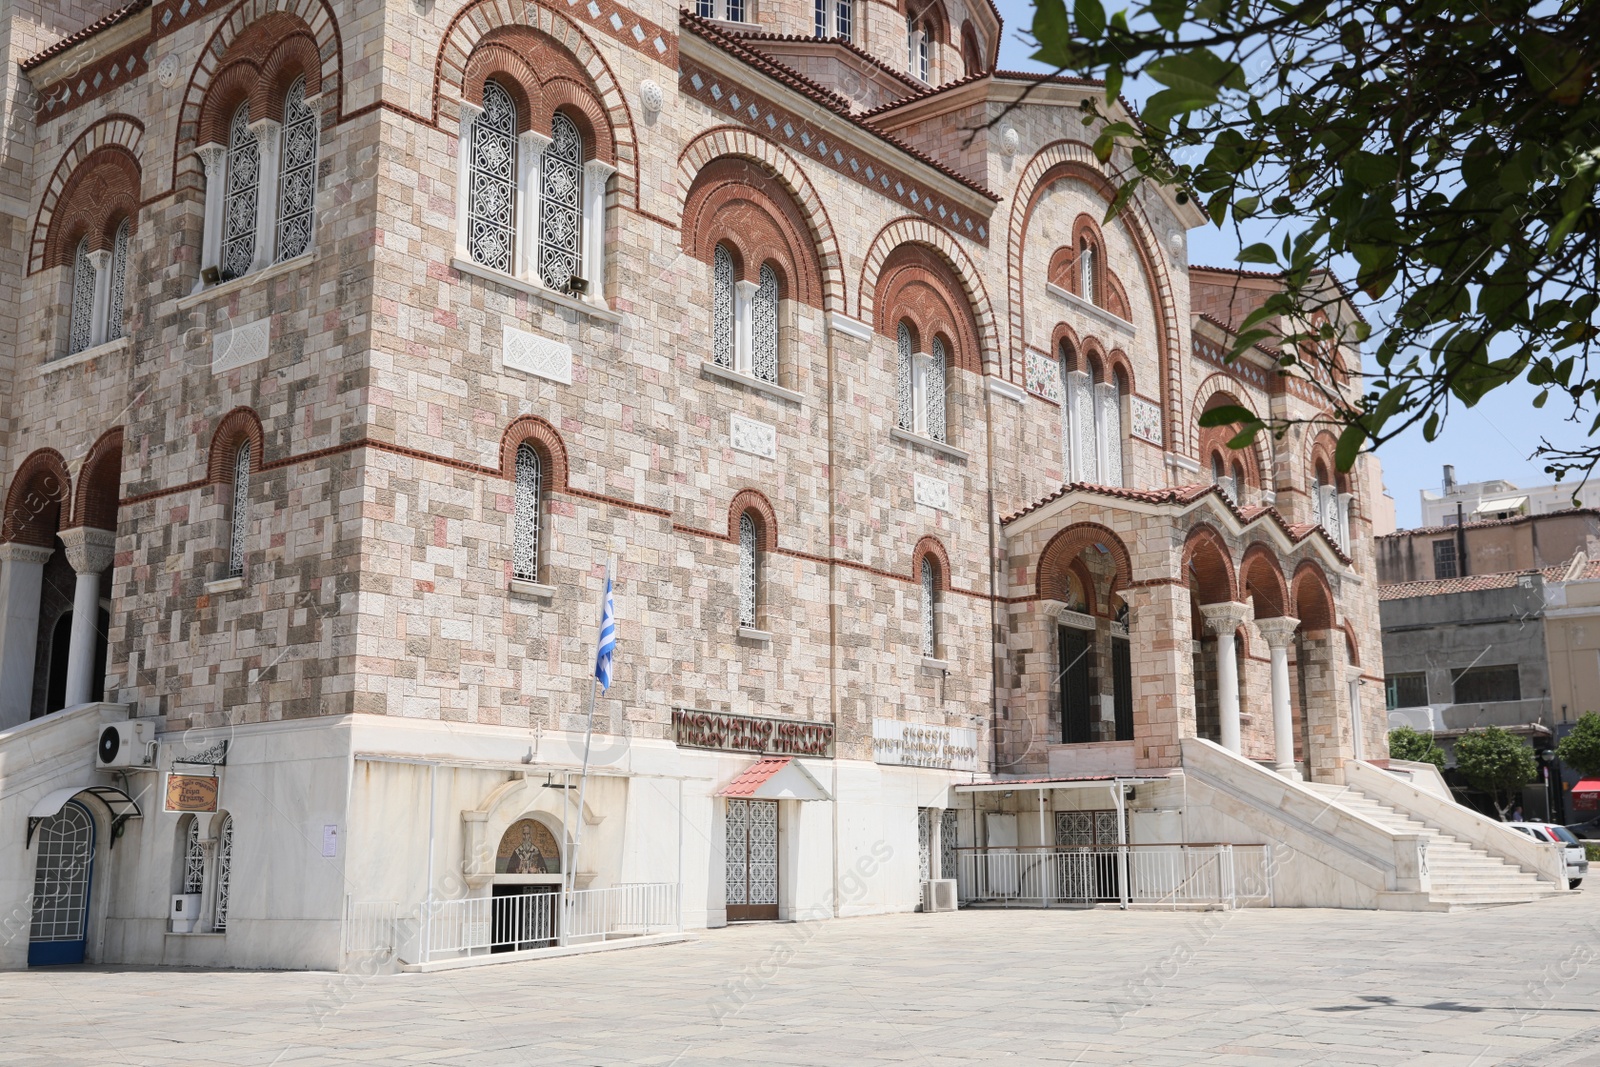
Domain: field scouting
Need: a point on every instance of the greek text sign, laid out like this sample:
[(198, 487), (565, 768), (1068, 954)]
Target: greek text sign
[(905, 744), (745, 733), (191, 792)]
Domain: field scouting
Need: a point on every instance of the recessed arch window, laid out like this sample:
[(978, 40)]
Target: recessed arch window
[(930, 606), (749, 571), (905, 408), (1093, 425), (297, 174), (239, 520), (920, 385), (119, 279), (81, 327), (1086, 269), (764, 327), (492, 186), (528, 506), (243, 193), (561, 205), (722, 299), (917, 45)]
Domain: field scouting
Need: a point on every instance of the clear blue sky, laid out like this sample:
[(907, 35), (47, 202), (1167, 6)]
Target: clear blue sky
[(1493, 440)]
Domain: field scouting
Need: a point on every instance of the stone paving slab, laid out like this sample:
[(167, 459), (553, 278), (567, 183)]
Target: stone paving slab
[(1513, 985)]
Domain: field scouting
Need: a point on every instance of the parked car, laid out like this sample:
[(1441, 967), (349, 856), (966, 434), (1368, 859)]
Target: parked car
[(1550, 833), (1585, 831)]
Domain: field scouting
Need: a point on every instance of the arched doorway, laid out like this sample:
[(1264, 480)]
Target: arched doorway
[(526, 888), (60, 654), (62, 881), (1084, 570)]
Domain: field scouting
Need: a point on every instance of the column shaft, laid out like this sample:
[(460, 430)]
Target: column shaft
[(21, 580)]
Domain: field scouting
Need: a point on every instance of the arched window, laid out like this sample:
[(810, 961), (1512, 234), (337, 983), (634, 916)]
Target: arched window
[(1108, 428), (240, 520), (933, 391), (194, 858), (219, 921), (297, 173), (81, 329), (834, 18), (764, 327), (243, 191), (1086, 270), (561, 205), (722, 341), (748, 568), (119, 279), (492, 184), (1239, 482), (906, 411), (525, 542), (725, 10), (917, 48), (930, 608)]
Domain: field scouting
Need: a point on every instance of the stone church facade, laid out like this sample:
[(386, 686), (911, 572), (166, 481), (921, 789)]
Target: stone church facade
[(349, 344)]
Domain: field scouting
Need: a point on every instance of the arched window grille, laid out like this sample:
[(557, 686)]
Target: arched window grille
[(81, 327), (224, 872), (194, 859), (1086, 271), (930, 608), (907, 415), (722, 307), (525, 542), (561, 205), (119, 280), (747, 570), (934, 393), (244, 187), (297, 180), (241, 510), (764, 327), (491, 190)]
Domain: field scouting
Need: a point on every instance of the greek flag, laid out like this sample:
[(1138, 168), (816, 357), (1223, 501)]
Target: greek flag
[(608, 638)]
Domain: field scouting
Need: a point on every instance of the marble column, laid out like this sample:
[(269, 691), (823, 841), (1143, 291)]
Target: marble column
[(1278, 633), (269, 146), (90, 552), (214, 158), (21, 580), (1224, 619)]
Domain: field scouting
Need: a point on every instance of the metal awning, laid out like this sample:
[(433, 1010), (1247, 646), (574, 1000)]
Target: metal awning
[(1505, 503), (119, 805), (775, 778), (1099, 781)]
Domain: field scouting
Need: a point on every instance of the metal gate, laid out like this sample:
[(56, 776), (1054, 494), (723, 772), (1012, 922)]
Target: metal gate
[(62, 877), (752, 859), (1096, 877)]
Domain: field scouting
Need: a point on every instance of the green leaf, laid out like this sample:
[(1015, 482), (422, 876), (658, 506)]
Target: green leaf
[(1169, 14), (1088, 18), (1227, 415), (1259, 252), (1245, 437), (1349, 446), (1430, 428), (1052, 31)]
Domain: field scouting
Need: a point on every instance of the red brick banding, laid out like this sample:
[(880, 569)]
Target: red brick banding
[(100, 192), (100, 483), (1263, 581), (542, 78), (755, 502), (546, 440), (37, 500), (918, 286), (928, 545), (1207, 562), (258, 68), (235, 428), (1065, 547), (1313, 598), (735, 202)]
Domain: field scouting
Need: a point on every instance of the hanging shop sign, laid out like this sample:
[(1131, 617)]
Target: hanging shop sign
[(905, 744), (748, 733), (191, 792)]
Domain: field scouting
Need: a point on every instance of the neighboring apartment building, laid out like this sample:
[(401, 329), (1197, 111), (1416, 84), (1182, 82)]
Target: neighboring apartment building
[(348, 342), (1495, 499)]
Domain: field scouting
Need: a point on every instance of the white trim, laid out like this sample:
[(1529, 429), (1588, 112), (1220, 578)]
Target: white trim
[(1078, 303), (749, 381), (233, 285), (1182, 462), (750, 633), (110, 348), (849, 327), (225, 585), (532, 590), (919, 440), (1009, 390), (489, 274)]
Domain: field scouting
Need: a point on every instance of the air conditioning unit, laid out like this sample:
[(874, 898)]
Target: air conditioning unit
[(939, 894), (185, 912), (126, 744)]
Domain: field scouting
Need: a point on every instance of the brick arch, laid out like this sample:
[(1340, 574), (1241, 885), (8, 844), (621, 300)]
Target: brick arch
[(735, 202), (1117, 361), (38, 501), (1262, 580), (97, 196), (119, 133), (969, 282), (1352, 647), (1080, 571), (1324, 446), (100, 483), (500, 63), (1205, 552), (543, 78), (928, 545), (1066, 334), (1312, 598), (917, 285), (561, 52), (1074, 160), (1222, 389), (546, 439), (1066, 546), (766, 519), (234, 429), (779, 168), (258, 32)]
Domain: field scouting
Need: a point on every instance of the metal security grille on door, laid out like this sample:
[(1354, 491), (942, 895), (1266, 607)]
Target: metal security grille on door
[(1091, 875), (62, 876), (752, 859), (947, 843), (924, 843)]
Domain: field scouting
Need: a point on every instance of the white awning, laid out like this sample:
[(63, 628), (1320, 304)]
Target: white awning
[(1505, 503), (119, 805)]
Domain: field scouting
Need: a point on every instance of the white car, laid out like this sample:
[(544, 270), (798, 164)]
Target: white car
[(1551, 834)]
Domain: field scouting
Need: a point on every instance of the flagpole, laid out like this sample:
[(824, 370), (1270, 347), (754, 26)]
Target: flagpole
[(588, 742)]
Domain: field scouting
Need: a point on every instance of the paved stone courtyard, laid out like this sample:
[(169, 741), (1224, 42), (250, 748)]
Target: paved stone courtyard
[(1517, 985)]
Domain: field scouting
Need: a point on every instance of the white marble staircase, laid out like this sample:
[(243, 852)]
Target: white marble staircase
[(1462, 875)]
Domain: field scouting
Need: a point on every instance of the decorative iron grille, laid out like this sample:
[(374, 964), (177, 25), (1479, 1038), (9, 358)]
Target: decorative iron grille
[(492, 181), (194, 859), (244, 189), (119, 280), (525, 542), (241, 510), (924, 843), (65, 850), (947, 843), (561, 204), (747, 570), (722, 307), (297, 182), (902, 380), (935, 397), (81, 327), (224, 873), (764, 326), (930, 627)]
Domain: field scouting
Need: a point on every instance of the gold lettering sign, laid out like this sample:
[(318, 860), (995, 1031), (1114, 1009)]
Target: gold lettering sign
[(191, 792), (742, 733)]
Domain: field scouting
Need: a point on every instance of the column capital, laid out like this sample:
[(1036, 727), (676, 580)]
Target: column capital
[(212, 156), (17, 552), (265, 128), (100, 259), (1278, 631), (89, 550), (598, 170), (534, 141), (1226, 617)]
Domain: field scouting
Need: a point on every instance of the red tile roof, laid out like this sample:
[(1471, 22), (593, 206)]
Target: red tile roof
[(1474, 583), (754, 777), (84, 34)]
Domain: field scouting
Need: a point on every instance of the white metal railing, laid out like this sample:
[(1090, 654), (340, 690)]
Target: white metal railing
[(1214, 874), (370, 927), (483, 925)]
